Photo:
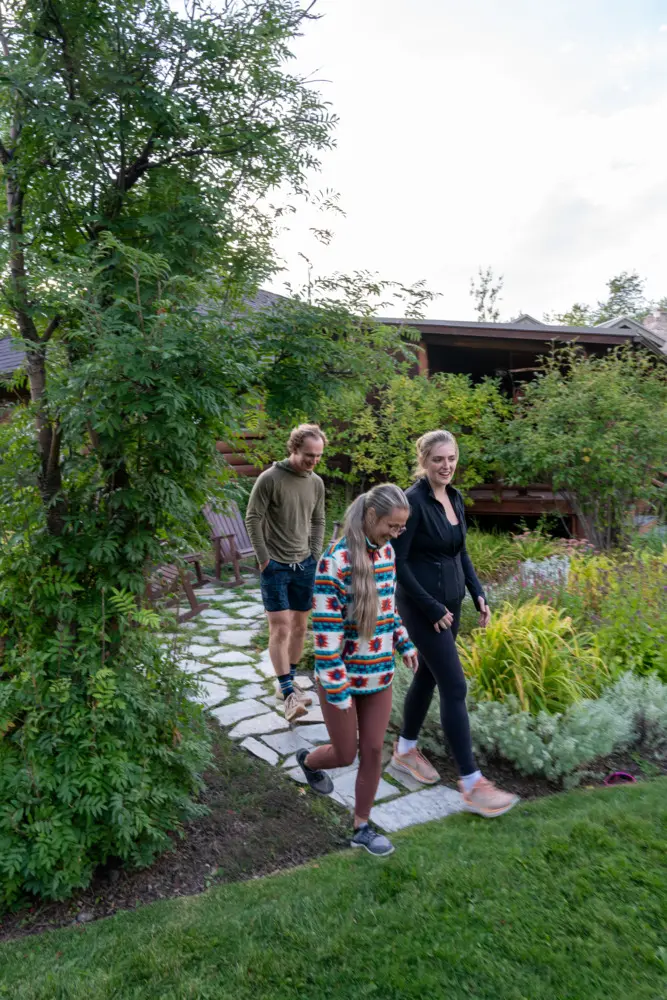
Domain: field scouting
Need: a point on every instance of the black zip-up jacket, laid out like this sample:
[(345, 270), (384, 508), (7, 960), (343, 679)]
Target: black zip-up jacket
[(433, 567)]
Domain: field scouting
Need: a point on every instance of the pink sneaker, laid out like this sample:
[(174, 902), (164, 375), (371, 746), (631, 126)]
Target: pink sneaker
[(414, 762), (487, 800)]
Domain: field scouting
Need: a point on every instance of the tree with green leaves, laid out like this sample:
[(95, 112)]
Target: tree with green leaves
[(137, 146), (597, 428), (486, 291), (625, 298)]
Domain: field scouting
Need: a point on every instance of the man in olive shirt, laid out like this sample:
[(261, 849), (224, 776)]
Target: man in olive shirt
[(285, 520)]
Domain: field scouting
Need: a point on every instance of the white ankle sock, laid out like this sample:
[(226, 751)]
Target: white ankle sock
[(404, 746), (470, 780)]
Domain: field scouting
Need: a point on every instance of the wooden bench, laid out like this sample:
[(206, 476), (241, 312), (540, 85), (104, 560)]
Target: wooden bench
[(168, 580), (231, 542)]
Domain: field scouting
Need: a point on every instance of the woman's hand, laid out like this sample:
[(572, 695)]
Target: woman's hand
[(445, 622), (484, 613), (411, 660)]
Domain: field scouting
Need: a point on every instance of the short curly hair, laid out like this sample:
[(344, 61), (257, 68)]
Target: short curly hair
[(300, 433)]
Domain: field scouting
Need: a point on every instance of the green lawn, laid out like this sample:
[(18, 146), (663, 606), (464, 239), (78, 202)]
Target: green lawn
[(563, 898)]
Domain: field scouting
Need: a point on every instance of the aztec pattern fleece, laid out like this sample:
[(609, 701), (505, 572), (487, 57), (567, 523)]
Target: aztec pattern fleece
[(344, 663)]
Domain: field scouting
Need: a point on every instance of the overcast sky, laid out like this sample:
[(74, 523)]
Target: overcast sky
[(524, 134)]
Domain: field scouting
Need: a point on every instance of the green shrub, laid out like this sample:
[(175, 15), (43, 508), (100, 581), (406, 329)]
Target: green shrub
[(557, 746), (94, 762), (534, 654), (493, 554), (625, 597)]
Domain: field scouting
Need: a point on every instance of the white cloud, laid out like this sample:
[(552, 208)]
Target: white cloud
[(468, 140)]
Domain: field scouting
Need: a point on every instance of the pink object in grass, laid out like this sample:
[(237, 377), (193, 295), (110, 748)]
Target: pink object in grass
[(620, 778)]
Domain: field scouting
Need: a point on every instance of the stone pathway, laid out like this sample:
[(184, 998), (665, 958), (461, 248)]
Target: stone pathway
[(236, 685)]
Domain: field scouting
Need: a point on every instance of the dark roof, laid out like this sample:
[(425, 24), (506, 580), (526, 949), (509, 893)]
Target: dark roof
[(11, 356), (521, 324)]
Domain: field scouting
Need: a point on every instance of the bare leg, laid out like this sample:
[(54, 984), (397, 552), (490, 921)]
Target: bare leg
[(297, 637), (279, 636)]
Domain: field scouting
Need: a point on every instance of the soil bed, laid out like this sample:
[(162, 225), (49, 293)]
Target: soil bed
[(260, 822)]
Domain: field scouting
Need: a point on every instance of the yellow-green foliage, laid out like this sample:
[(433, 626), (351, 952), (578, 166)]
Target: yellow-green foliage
[(625, 598), (533, 653)]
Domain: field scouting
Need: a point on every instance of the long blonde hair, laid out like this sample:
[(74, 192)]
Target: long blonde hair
[(382, 499), (425, 445)]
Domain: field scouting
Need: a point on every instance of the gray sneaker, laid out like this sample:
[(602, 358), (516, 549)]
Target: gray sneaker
[(375, 843), (319, 781)]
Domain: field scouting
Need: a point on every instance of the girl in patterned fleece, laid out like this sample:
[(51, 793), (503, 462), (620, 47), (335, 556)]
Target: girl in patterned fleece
[(356, 630)]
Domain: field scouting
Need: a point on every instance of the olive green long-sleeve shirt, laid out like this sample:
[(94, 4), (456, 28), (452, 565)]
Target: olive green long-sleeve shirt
[(285, 515)]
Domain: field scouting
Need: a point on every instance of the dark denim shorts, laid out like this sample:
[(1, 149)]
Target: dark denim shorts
[(288, 587)]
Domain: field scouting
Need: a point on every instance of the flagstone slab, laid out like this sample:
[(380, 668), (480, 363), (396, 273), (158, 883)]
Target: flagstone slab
[(260, 750), (265, 667), (239, 673), (345, 784), (213, 692), (213, 615), (227, 715), (203, 639), (230, 656), (258, 725), (291, 761), (250, 691), (418, 807), (315, 734), (236, 638), (314, 715), (404, 778), (289, 742), (198, 651), (192, 666), (250, 611)]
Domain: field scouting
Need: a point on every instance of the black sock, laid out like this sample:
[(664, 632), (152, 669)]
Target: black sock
[(292, 670)]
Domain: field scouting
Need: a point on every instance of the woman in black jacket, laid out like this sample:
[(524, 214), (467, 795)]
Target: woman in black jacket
[(433, 570)]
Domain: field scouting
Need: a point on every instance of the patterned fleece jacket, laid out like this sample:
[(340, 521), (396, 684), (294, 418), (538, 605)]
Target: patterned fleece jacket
[(344, 663)]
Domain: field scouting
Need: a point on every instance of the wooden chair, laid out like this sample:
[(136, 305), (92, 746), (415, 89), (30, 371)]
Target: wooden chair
[(231, 542), (166, 581)]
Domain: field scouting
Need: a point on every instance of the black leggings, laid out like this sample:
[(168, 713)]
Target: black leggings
[(439, 664)]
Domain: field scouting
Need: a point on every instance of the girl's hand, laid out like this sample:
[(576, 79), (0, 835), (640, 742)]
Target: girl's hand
[(411, 660), (484, 613), (445, 622)]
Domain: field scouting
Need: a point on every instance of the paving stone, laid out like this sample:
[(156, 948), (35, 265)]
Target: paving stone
[(265, 667), (297, 774), (250, 691), (258, 726), (418, 807), (231, 656), (237, 710), (213, 615), (200, 652), (291, 761), (304, 681), (314, 715), (192, 666), (239, 638), (213, 692), (224, 596), (204, 639), (286, 743), (405, 779), (344, 784), (316, 734), (251, 611), (239, 673), (259, 750)]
